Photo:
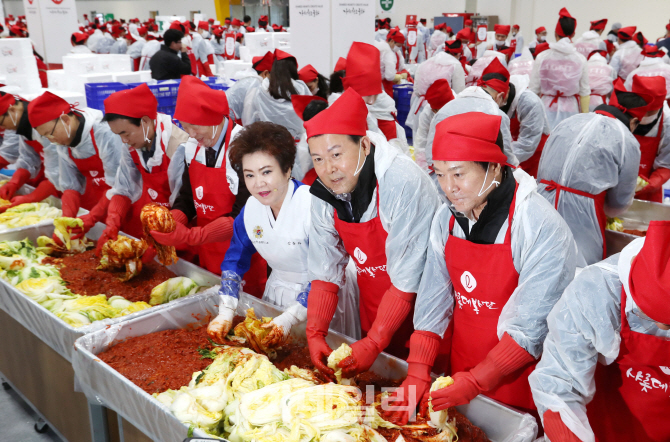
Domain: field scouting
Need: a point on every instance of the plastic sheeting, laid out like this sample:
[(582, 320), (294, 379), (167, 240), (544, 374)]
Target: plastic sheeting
[(522, 65), (237, 93), (627, 57), (481, 64), (53, 331), (105, 386), (601, 78), (533, 122), (651, 67)]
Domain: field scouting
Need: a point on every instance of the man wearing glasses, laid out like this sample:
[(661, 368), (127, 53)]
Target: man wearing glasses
[(609, 347), (88, 152)]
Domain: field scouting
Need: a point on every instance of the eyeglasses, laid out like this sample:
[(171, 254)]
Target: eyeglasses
[(3, 119), (53, 130)]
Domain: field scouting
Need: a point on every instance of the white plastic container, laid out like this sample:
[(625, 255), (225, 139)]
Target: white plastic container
[(232, 66), (259, 43), (80, 64), (127, 77), (114, 63), (18, 65)]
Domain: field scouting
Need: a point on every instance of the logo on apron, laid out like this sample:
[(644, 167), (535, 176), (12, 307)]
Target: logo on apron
[(94, 173), (360, 256), (258, 232), (199, 192), (468, 281), (153, 194)]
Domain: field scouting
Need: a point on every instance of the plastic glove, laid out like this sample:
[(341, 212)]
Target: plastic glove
[(70, 203), (281, 325), (97, 214), (503, 359), (20, 177), (219, 230), (656, 180), (393, 309), (584, 101), (555, 429), (228, 298), (321, 306), (423, 349), (44, 190)]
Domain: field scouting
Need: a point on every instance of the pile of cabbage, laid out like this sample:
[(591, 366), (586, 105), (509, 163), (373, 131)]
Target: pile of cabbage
[(242, 396), (21, 265), (27, 214)]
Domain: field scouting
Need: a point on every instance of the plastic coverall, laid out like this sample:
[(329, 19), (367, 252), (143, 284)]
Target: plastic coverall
[(472, 99), (110, 149), (418, 52), (388, 60), (651, 67), (381, 35), (522, 65), (481, 64), (591, 153), (601, 79), (259, 105), (92, 40), (384, 109), (662, 159), (105, 44), (519, 43), (436, 40), (219, 48), (129, 179), (204, 52), (584, 330), (303, 160), (15, 150), (589, 42), (120, 46), (288, 284), (533, 122), (627, 58), (135, 51), (236, 94), (441, 66), (426, 115), (543, 252), (407, 204), (9, 149), (560, 77), (148, 51), (80, 49)]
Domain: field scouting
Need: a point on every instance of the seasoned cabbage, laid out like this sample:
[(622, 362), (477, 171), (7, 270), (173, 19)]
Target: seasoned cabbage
[(173, 288), (342, 352)]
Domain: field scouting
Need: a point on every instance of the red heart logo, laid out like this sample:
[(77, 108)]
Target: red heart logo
[(58, 2), (30, 1)]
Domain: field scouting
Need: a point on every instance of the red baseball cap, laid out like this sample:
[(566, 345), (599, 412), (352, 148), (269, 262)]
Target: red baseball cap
[(198, 104), (137, 102), (347, 116), (468, 137), (640, 88), (395, 35), (282, 55)]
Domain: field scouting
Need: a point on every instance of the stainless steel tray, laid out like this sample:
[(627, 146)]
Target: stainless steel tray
[(53, 331), (638, 216), (106, 386)]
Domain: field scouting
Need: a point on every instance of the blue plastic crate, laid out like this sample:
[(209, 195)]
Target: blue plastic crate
[(167, 110), (97, 92)]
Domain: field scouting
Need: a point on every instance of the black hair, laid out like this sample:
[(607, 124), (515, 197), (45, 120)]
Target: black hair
[(263, 136), (281, 76), (356, 139), (615, 112), (336, 86), (172, 36), (113, 117), (494, 76), (313, 108), (629, 100), (472, 62), (568, 25), (499, 143), (322, 87), (246, 18), (218, 38), (510, 98), (74, 41)]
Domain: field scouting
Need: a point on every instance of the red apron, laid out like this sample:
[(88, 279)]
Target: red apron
[(598, 200), (155, 189), (632, 400), (93, 171), (194, 62), (558, 95), (531, 164), (212, 199), (365, 243), (388, 87), (388, 128), (484, 278), (37, 146), (649, 150)]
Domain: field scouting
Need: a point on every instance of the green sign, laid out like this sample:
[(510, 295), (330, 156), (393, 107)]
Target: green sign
[(386, 4), (109, 17)]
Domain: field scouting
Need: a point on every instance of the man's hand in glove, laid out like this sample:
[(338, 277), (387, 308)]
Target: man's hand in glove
[(219, 230), (321, 306)]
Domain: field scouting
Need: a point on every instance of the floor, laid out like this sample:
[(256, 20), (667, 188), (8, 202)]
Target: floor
[(17, 420)]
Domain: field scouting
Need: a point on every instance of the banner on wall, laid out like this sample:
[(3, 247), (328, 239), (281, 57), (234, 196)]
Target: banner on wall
[(50, 24), (353, 20), (311, 33), (34, 21)]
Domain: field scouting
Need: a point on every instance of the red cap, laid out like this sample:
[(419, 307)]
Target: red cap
[(467, 22), (263, 63), (237, 22), (540, 29), (18, 30), (448, 29), (454, 47), (116, 31), (501, 29), (198, 104), (142, 30), (395, 35), (239, 36), (79, 37), (541, 47), (363, 72), (439, 93), (598, 25), (464, 34), (515, 27), (300, 102), (263, 18), (45, 108), (495, 67), (6, 101), (251, 29), (563, 13), (610, 46), (667, 26), (655, 86), (597, 51), (203, 25), (282, 55), (627, 33), (218, 32), (178, 26), (412, 22), (341, 64), (227, 21), (347, 116), (649, 279), (308, 73), (92, 31), (640, 39), (651, 51), (134, 103), (468, 137), (640, 88)]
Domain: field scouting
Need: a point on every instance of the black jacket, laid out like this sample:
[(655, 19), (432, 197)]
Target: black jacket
[(167, 64)]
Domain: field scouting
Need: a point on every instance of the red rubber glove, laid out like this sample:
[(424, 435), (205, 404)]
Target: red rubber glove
[(70, 203), (219, 230), (393, 309), (20, 177), (3, 163), (555, 429), (423, 349), (179, 216), (503, 359), (97, 214), (116, 212), (656, 180), (321, 306), (149, 255), (44, 190)]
